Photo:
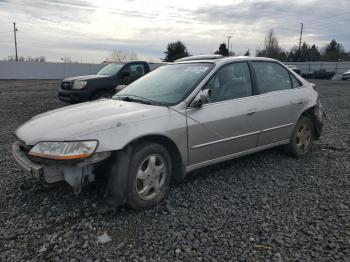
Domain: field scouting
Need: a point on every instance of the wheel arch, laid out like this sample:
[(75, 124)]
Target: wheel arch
[(310, 113)]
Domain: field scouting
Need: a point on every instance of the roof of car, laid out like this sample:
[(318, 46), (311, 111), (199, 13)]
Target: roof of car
[(226, 59), (200, 57)]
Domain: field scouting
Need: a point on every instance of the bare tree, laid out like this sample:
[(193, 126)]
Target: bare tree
[(271, 46), (67, 60), (119, 55), (27, 59), (40, 59)]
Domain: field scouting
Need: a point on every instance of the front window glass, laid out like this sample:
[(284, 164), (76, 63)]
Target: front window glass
[(137, 70), (111, 69), (230, 82), (167, 84)]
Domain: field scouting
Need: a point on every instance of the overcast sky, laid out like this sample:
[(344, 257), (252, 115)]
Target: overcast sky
[(88, 31)]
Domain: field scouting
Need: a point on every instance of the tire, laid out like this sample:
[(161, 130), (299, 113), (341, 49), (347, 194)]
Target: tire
[(302, 138), (150, 175)]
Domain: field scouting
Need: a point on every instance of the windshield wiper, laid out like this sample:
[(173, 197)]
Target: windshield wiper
[(139, 99), (132, 98)]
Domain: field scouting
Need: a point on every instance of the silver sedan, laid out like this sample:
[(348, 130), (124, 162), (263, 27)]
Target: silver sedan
[(186, 115)]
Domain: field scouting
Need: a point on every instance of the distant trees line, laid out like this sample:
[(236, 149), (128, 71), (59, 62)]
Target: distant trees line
[(67, 60), (26, 59), (332, 52)]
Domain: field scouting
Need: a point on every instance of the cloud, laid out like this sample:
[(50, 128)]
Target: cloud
[(319, 17), (91, 29)]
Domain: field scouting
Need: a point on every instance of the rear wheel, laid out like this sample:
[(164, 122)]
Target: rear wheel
[(302, 138), (150, 174)]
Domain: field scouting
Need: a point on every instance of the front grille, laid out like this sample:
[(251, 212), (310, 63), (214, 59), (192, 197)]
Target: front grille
[(66, 85)]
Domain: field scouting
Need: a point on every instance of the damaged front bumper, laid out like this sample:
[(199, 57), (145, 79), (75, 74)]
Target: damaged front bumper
[(319, 115), (76, 174)]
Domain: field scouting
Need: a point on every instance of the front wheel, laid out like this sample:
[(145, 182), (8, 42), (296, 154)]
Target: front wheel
[(302, 138), (150, 174)]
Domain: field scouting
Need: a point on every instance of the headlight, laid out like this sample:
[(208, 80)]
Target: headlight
[(64, 150), (79, 84)]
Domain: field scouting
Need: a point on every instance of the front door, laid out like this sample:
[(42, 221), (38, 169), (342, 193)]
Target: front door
[(132, 72), (225, 125)]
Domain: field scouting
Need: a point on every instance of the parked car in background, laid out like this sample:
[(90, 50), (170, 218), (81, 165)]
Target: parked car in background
[(178, 118), (346, 75), (294, 68), (115, 75), (319, 74)]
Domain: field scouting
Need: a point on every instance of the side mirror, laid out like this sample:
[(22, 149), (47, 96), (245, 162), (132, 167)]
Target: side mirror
[(202, 98)]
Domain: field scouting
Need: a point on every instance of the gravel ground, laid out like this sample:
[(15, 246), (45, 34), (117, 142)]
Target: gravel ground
[(263, 207)]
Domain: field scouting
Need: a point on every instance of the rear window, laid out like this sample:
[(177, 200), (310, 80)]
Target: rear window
[(271, 77)]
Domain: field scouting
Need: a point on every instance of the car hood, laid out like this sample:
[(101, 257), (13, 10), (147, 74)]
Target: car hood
[(86, 120), (88, 77)]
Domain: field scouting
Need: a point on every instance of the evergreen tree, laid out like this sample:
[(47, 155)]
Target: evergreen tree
[(175, 50), (222, 50)]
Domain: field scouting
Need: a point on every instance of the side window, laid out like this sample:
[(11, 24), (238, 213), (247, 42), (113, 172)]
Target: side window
[(230, 82), (136, 71), (295, 82), (271, 77), (125, 76)]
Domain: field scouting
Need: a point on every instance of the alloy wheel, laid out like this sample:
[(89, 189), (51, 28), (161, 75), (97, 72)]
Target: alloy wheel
[(303, 138), (151, 176)]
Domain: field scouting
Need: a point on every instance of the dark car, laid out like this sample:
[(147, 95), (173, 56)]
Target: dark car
[(319, 74), (103, 84)]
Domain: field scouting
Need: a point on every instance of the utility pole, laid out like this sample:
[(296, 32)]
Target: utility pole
[(301, 35), (14, 32), (228, 45)]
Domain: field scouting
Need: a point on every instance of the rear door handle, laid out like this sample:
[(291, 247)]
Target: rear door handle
[(299, 102)]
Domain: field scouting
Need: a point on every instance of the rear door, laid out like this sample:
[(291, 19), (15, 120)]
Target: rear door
[(226, 125), (280, 102)]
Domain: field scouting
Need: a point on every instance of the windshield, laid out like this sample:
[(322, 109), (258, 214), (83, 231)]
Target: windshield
[(111, 69), (167, 84)]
